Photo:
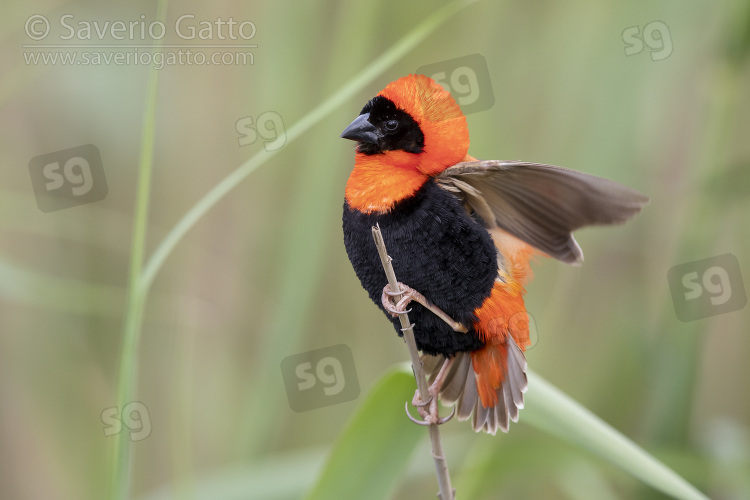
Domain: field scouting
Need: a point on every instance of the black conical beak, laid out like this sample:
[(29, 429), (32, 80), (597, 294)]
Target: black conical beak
[(361, 130)]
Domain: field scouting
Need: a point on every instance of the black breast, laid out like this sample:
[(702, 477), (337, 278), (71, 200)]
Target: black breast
[(438, 250)]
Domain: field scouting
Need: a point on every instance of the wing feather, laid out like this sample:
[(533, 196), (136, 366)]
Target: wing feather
[(540, 204)]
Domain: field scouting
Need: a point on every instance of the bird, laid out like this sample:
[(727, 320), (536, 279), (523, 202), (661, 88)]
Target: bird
[(461, 233)]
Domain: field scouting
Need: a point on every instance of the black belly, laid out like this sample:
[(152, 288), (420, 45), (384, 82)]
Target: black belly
[(438, 250)]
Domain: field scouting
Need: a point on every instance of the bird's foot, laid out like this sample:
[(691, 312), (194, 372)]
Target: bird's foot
[(428, 410), (408, 295)]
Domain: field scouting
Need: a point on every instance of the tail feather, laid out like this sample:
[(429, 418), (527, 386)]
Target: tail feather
[(455, 381), (468, 398), (460, 388)]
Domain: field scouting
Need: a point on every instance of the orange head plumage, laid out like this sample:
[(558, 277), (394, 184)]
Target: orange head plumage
[(411, 130)]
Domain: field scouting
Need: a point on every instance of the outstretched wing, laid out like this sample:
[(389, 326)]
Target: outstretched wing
[(540, 204)]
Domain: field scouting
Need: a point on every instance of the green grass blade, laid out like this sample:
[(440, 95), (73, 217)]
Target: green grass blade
[(120, 461), (373, 450), (549, 409), (357, 83), (19, 285)]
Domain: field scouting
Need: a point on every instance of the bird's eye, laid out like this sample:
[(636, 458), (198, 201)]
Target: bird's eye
[(391, 125)]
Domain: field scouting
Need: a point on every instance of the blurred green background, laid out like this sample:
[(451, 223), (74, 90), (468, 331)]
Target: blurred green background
[(263, 275)]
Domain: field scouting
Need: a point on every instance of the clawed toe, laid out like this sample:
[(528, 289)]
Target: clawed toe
[(400, 306), (428, 418), (387, 290), (428, 410)]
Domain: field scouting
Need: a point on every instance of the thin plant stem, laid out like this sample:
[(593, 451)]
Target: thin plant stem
[(446, 491)]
